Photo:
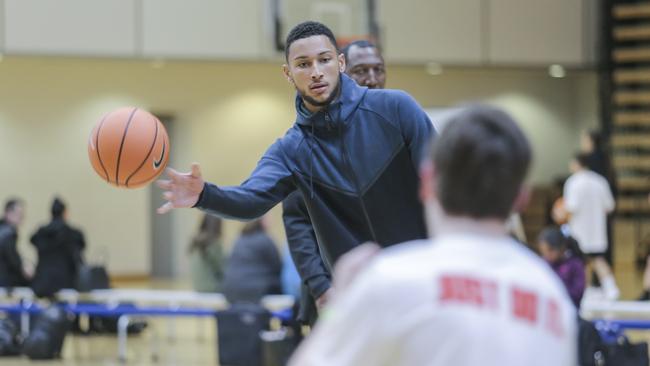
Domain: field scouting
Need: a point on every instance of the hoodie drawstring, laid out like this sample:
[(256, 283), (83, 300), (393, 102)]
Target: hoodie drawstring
[(311, 163)]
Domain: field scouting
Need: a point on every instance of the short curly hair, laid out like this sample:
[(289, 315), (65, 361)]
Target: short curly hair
[(305, 30)]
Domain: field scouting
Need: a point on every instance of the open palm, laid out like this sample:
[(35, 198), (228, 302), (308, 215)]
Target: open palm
[(182, 189)]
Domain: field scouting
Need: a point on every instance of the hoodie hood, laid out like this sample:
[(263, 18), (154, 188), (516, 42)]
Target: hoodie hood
[(347, 102)]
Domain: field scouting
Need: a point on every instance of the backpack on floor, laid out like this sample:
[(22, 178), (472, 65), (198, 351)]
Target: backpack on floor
[(9, 339), (45, 340), (238, 333)]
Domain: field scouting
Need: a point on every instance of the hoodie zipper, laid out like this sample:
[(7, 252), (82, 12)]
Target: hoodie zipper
[(348, 167)]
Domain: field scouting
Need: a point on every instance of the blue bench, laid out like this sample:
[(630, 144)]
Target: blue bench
[(123, 312)]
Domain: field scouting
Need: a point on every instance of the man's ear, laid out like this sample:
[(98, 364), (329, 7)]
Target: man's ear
[(522, 199), (427, 181), (341, 60), (287, 73)]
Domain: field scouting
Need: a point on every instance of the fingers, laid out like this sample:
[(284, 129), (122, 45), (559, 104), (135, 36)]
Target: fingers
[(164, 184), (168, 206), (196, 170), (173, 174), (168, 196)]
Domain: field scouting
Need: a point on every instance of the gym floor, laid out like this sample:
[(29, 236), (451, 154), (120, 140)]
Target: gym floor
[(192, 344)]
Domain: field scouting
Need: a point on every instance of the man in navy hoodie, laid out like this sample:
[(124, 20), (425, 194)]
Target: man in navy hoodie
[(353, 153), (365, 65)]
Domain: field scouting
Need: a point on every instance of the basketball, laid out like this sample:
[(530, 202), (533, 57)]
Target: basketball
[(128, 147), (559, 213)]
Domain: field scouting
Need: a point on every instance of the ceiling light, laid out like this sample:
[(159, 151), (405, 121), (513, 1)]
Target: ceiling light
[(556, 71), (433, 68)]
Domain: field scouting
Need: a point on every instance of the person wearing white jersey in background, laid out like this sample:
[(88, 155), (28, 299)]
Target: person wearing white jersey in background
[(588, 199), (471, 295)]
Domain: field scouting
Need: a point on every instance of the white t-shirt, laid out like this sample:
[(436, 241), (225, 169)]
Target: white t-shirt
[(588, 198), (463, 300)]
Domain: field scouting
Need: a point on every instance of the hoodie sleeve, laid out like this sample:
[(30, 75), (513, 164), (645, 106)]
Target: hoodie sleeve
[(303, 245), (269, 184), (416, 127)]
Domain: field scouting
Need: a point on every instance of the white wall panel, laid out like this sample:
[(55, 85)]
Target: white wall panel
[(202, 28), (536, 32), (2, 26), (77, 27), (431, 30)]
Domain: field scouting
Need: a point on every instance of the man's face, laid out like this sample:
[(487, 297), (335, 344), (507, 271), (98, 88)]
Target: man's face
[(366, 66), (314, 67), (15, 215)]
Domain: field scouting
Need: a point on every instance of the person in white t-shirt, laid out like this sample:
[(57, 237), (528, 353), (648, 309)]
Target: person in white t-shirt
[(471, 295), (588, 200)]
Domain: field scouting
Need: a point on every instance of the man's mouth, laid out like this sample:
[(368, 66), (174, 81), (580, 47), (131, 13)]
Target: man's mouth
[(318, 88)]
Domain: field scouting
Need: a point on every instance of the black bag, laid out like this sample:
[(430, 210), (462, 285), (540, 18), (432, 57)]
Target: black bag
[(92, 278), (625, 353), (46, 338), (278, 346), (591, 348), (9, 341), (607, 346), (238, 332)]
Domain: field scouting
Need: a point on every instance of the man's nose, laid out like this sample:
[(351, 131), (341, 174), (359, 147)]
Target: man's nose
[(372, 77), (316, 72)]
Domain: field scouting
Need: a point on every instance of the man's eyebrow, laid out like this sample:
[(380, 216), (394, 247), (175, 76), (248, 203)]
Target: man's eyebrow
[(302, 57)]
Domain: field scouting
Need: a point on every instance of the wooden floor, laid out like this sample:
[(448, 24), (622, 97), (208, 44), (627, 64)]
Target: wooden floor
[(628, 233), (194, 343)]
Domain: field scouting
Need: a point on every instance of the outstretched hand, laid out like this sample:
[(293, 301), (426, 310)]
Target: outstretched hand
[(182, 189)]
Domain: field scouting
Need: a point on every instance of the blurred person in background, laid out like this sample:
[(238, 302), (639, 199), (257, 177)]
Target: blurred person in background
[(563, 254), (290, 277), (206, 255), (253, 268), (60, 253), (12, 272), (593, 144), (587, 202), (365, 64)]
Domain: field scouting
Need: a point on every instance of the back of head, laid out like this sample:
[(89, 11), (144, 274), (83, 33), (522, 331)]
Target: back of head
[(554, 237), (481, 159), (58, 208), (557, 240), (597, 140), (305, 30)]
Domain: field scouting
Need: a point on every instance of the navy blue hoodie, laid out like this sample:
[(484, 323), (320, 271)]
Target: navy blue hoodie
[(356, 164)]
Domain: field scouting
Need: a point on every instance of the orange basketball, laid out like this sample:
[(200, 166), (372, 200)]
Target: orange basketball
[(129, 147), (559, 213)]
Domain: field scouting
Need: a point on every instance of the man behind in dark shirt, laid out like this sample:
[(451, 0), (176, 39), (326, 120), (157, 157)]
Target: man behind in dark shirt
[(12, 273)]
